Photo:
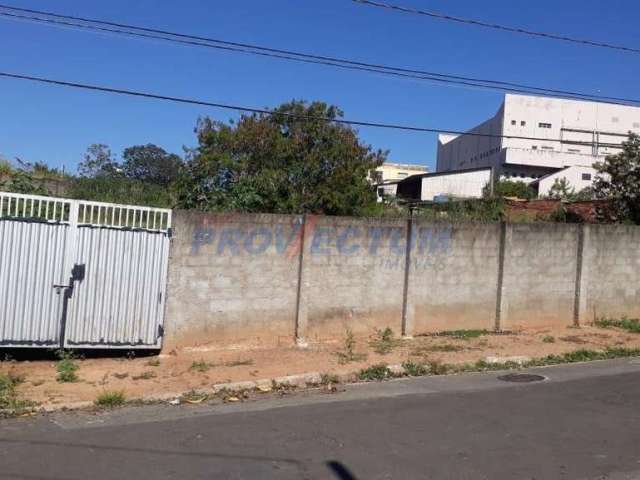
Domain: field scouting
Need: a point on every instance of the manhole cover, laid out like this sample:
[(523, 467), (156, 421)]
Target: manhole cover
[(521, 378)]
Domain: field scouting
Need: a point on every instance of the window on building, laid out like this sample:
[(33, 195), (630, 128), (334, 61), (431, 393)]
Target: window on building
[(523, 123), (573, 150), (403, 174), (544, 125), (636, 125), (586, 176), (534, 147), (547, 148), (615, 119), (513, 122)]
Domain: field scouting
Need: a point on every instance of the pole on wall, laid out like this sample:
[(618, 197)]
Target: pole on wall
[(579, 299), (301, 304), (407, 330), (500, 283)]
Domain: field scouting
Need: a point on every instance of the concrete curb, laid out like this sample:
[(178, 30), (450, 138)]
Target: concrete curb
[(265, 385)]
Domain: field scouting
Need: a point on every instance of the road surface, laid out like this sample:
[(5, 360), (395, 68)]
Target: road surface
[(582, 423)]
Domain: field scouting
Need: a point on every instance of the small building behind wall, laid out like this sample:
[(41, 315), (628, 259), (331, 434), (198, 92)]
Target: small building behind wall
[(431, 186), (577, 177)]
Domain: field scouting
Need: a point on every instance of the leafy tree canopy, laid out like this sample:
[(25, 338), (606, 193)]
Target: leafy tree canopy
[(150, 163), (511, 188), (619, 181), (280, 163)]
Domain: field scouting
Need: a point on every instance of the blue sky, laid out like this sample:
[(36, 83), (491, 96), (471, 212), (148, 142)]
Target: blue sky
[(55, 125)]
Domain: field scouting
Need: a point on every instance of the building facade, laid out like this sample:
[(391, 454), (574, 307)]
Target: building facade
[(390, 172), (532, 137)]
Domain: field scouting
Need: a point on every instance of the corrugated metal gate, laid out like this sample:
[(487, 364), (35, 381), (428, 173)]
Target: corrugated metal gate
[(81, 274)]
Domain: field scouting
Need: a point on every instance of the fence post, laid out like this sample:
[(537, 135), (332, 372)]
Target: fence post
[(500, 284), (407, 316), (69, 261), (302, 319)]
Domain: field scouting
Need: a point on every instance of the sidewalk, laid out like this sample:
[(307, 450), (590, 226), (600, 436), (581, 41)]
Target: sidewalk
[(176, 372)]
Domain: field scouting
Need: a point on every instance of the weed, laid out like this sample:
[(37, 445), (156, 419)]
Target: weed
[(465, 334), (194, 397), (436, 367), (631, 325), (584, 355), (375, 373), (110, 399), (328, 379), (239, 363), (447, 347), (154, 362), (349, 354), (413, 369), (384, 342), (574, 339), (484, 366), (549, 339), (144, 376), (200, 366), (66, 367), (10, 401)]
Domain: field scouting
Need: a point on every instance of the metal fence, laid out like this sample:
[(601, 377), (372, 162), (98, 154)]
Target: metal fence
[(81, 274)]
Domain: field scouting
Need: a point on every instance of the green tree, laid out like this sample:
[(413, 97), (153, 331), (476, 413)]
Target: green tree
[(120, 190), (22, 181), (511, 188), (150, 163), (98, 162), (618, 180), (290, 161), (561, 190)]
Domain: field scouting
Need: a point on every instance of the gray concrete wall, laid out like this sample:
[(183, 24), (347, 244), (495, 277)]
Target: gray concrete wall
[(539, 284), (272, 279), (453, 277), (352, 276), (232, 278), (611, 272)]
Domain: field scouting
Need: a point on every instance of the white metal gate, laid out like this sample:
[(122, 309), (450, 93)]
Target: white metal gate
[(81, 274)]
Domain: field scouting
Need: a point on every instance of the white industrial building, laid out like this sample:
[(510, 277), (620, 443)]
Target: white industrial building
[(533, 139)]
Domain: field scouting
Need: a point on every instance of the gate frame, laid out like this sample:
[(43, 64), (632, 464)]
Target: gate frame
[(140, 221)]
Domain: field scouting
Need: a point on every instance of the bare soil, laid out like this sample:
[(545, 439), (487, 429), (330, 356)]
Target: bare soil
[(200, 368)]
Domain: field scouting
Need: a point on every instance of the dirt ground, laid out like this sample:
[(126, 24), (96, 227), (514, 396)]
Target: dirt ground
[(200, 368)]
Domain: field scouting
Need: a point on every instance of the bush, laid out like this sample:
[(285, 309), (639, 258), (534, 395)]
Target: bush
[(631, 325), (375, 373), (110, 399), (413, 369), (384, 342), (67, 368)]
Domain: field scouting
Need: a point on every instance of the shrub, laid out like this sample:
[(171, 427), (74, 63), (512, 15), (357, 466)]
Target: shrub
[(384, 342), (375, 373), (414, 369), (631, 325), (110, 399), (67, 367), (348, 354)]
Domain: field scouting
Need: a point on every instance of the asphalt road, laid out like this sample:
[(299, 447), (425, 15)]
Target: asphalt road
[(581, 423)]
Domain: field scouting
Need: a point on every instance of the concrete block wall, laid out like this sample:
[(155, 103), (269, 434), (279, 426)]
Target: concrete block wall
[(453, 277), (352, 276), (232, 278), (274, 279), (611, 272), (539, 283)]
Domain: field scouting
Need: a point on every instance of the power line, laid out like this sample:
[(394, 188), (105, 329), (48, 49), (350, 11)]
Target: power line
[(264, 111), (495, 26), (193, 40)]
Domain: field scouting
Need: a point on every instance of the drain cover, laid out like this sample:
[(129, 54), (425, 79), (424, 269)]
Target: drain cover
[(521, 378)]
